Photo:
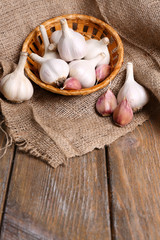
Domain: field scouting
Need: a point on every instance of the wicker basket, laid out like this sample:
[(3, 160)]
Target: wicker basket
[(89, 27)]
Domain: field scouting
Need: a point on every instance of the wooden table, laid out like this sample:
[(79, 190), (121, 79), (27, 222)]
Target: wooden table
[(112, 193)]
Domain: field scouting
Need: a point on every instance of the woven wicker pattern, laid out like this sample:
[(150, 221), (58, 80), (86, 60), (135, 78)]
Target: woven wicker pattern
[(89, 27)]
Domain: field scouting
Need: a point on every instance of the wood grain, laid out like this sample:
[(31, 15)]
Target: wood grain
[(5, 168), (134, 172), (70, 202)]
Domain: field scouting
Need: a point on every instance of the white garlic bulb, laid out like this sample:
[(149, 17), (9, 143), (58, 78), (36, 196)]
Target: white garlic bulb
[(84, 70), (55, 36), (94, 47), (71, 45), (52, 71), (48, 54), (16, 86), (136, 94)]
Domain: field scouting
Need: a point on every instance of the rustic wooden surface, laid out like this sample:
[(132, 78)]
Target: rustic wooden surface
[(106, 194), (67, 203), (134, 176), (5, 170)]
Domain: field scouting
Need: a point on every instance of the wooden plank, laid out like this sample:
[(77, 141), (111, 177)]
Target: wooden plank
[(134, 172), (5, 168), (70, 202)]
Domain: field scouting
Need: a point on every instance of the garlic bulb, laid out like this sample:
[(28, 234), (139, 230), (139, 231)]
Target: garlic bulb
[(84, 70), (136, 94), (52, 71), (48, 54), (15, 86), (55, 36), (94, 47), (71, 45)]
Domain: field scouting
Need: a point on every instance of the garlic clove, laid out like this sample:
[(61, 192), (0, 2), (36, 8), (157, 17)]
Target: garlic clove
[(102, 72), (72, 83), (106, 103), (15, 86), (123, 113), (136, 94), (71, 45)]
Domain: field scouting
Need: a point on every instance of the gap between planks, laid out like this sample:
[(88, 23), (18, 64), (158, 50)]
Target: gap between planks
[(109, 192)]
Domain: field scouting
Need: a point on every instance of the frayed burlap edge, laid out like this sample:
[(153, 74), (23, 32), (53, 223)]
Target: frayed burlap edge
[(27, 147)]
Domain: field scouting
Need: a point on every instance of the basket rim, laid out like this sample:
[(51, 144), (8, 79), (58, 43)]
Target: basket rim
[(83, 91)]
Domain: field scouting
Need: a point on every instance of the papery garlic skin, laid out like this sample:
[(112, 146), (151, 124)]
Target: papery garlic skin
[(52, 71), (102, 72), (136, 94), (71, 45), (95, 47), (106, 103), (84, 70), (48, 54), (15, 86), (123, 113)]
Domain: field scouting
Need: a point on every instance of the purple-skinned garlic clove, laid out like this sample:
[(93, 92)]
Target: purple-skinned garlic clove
[(106, 103), (123, 113), (102, 72), (72, 84)]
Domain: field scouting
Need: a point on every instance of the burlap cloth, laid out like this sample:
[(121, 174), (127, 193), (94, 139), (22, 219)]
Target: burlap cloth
[(55, 127)]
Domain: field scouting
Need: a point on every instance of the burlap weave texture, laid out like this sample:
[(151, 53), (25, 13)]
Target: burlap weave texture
[(56, 127)]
